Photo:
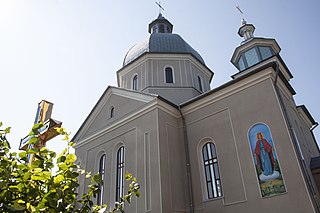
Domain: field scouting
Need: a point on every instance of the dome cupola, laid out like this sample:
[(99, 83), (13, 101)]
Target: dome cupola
[(161, 40), (253, 50), (160, 25), (165, 64)]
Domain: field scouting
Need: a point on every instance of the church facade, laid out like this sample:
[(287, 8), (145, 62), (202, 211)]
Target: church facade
[(244, 146)]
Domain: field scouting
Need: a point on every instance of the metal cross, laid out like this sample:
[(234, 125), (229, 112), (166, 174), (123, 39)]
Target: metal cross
[(160, 7), (238, 8)]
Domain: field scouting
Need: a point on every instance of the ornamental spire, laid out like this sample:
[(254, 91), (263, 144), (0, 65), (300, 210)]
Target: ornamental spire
[(161, 24), (246, 30), (160, 7)]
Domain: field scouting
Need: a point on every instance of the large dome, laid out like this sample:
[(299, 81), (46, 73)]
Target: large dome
[(161, 40)]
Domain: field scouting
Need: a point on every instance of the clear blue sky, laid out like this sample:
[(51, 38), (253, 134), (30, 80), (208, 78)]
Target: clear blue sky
[(68, 51)]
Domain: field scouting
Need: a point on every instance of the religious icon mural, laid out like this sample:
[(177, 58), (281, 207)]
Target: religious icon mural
[(265, 160)]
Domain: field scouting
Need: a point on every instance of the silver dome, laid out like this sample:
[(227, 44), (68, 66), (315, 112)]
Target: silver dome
[(161, 43), (161, 40)]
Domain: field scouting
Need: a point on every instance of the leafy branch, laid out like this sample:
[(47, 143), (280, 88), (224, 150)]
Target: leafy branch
[(34, 187)]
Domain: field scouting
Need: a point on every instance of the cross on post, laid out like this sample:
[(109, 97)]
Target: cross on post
[(160, 7), (238, 8), (242, 15), (46, 132)]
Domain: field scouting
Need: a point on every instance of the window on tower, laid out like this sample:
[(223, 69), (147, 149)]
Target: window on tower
[(254, 56), (120, 173), (168, 74), (211, 170), (200, 83), (161, 28), (265, 52), (111, 112), (135, 83)]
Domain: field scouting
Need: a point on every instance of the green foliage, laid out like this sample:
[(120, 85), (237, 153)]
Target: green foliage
[(33, 187)]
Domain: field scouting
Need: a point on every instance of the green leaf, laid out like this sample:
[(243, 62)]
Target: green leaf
[(7, 130), (37, 170), (66, 137), (60, 130), (61, 159), (17, 206), (58, 179), (63, 166), (20, 186), (43, 149), (33, 140), (47, 174), (26, 176), (21, 201), (38, 177), (22, 154), (14, 188), (97, 178), (71, 158), (137, 194), (72, 144), (128, 176), (88, 175), (30, 207), (37, 126), (127, 198)]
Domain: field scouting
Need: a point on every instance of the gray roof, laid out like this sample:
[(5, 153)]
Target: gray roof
[(161, 43)]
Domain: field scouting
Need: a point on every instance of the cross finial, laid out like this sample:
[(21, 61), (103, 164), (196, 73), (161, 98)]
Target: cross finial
[(160, 7), (243, 21)]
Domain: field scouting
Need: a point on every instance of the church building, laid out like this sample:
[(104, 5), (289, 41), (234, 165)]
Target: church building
[(244, 146)]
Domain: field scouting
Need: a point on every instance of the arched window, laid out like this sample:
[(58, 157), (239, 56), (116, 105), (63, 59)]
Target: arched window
[(168, 74), (161, 28), (112, 112), (102, 164), (120, 173), (135, 83), (200, 84), (211, 171)]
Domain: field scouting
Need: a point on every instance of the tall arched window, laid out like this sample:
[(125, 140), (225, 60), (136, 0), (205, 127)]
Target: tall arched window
[(200, 83), (211, 171), (135, 83), (168, 74), (102, 164), (120, 173)]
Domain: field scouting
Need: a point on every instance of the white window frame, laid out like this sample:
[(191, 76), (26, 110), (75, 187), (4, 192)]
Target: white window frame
[(135, 83), (165, 76)]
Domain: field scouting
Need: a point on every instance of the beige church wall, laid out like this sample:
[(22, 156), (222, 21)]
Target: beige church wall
[(175, 95), (307, 147), (158, 70), (195, 72), (240, 111), (122, 106), (128, 77), (151, 72), (215, 127), (302, 132), (186, 72), (81, 160), (173, 166), (133, 136)]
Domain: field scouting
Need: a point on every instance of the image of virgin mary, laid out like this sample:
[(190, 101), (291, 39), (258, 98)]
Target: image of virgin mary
[(264, 158)]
